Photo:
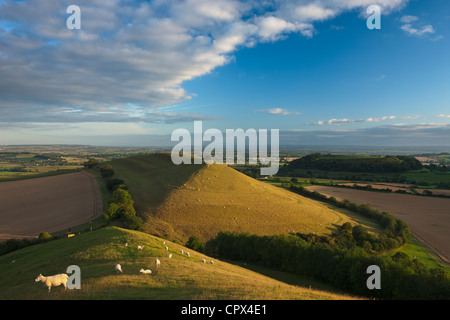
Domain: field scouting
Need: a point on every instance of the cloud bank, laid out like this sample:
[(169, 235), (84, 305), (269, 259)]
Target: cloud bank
[(132, 57)]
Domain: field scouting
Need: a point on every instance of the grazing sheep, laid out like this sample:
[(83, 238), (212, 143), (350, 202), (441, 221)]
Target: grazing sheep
[(157, 262), (187, 254), (118, 268), (170, 255), (55, 280), (147, 271), (203, 260), (140, 247), (181, 251), (167, 248), (211, 261)]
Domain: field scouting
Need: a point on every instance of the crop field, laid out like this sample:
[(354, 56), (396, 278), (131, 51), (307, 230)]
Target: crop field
[(427, 217), (50, 204)]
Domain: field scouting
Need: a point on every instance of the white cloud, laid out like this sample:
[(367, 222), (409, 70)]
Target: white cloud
[(412, 26), (134, 52), (313, 12), (427, 29), (271, 28), (279, 111), (283, 112), (408, 19), (348, 121), (412, 117), (444, 116)]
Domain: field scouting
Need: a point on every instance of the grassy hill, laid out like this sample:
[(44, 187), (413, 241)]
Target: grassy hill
[(97, 252), (181, 201)]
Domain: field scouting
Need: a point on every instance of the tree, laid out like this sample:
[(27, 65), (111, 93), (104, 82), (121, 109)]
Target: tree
[(44, 236), (113, 184), (347, 227), (107, 171), (196, 244), (133, 223), (92, 163), (120, 206)]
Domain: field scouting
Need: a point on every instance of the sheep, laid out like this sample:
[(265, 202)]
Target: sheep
[(118, 268), (167, 248), (187, 254), (55, 280), (181, 251), (157, 262), (126, 244), (140, 247), (212, 262), (170, 255), (203, 260), (147, 271)]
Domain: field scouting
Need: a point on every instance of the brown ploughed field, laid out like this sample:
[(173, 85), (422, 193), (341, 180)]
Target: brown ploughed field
[(50, 204), (428, 218)]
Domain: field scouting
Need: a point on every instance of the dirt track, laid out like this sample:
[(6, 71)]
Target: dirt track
[(51, 204), (428, 218)]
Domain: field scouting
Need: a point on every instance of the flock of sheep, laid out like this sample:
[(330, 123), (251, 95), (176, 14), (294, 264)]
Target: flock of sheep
[(118, 267), (61, 279)]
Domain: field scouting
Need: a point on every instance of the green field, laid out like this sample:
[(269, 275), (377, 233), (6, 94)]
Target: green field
[(97, 252)]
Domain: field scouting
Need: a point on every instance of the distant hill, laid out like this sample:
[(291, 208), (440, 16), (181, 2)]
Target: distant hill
[(97, 252), (178, 202), (353, 163)]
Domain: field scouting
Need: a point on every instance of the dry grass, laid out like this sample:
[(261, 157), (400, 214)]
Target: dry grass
[(179, 278), (218, 198)]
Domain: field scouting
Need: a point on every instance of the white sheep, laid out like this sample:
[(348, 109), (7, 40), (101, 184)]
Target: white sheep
[(157, 262), (203, 260), (211, 261), (126, 244), (181, 251), (187, 254), (170, 255), (54, 281), (167, 248), (140, 247), (118, 268), (147, 271)]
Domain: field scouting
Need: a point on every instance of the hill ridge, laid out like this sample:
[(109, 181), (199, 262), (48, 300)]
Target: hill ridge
[(178, 202)]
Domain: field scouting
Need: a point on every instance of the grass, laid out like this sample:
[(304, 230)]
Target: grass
[(97, 252), (415, 248), (424, 175), (57, 170), (178, 202)]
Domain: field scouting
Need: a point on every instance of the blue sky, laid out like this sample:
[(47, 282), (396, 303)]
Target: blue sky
[(138, 70)]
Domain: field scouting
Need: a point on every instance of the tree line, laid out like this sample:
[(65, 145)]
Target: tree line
[(384, 164), (395, 231), (342, 258), (343, 267)]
